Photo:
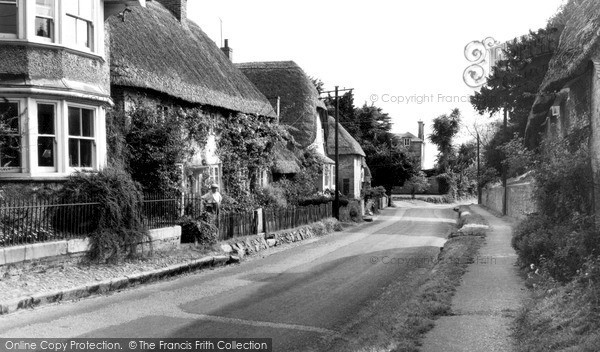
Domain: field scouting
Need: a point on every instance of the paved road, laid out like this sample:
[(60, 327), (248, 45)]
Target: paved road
[(305, 297)]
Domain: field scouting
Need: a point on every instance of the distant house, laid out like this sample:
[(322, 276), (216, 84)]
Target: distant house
[(570, 92), (415, 144), (295, 98), (54, 86), (352, 166), (160, 58)]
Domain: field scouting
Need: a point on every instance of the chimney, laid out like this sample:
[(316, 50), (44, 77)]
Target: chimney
[(421, 131), (227, 50), (177, 7)]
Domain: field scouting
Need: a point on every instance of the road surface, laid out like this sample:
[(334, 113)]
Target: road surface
[(307, 298)]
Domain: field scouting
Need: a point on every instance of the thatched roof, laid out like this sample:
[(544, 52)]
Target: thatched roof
[(285, 161), (298, 96), (346, 143), (579, 41), (151, 49)]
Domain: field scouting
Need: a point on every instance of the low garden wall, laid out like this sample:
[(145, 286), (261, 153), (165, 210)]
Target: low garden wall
[(159, 239)]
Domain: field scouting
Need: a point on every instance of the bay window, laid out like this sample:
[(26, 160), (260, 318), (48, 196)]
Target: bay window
[(9, 15), (76, 24), (10, 136), (81, 137)]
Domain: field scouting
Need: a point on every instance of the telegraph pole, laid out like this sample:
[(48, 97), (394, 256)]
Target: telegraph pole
[(336, 199), (478, 170), (505, 171)]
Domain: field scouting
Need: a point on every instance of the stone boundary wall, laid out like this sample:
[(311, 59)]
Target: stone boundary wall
[(160, 239), (520, 201)]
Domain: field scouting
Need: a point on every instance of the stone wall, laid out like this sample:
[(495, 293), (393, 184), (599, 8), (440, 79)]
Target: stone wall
[(520, 201), (160, 239)]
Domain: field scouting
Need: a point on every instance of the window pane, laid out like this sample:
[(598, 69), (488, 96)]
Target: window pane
[(44, 27), (71, 6), (74, 122), (8, 18), (70, 30), (85, 9), (73, 152), (87, 123), (86, 150), (45, 8), (46, 151), (10, 151), (9, 116), (45, 119)]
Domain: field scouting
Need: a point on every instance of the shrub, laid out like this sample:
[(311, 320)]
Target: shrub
[(562, 235), (331, 224), (317, 200), (271, 197), (201, 231), (116, 225), (557, 248)]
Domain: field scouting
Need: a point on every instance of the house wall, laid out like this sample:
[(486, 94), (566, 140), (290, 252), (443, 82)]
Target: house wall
[(203, 167), (350, 169)]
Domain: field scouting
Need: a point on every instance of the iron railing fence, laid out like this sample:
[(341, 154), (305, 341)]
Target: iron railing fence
[(27, 221)]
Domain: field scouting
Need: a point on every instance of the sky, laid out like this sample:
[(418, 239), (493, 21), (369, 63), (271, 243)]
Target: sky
[(406, 57)]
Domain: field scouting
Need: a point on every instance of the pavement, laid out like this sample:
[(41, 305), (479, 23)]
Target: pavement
[(486, 302), (307, 297)]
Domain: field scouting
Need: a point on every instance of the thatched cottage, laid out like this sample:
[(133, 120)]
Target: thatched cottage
[(159, 57), (54, 86), (295, 98), (570, 92), (352, 165)]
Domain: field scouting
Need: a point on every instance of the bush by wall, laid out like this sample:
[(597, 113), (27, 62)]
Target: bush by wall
[(116, 225)]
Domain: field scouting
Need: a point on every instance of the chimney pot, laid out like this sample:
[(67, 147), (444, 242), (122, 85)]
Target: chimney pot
[(227, 50)]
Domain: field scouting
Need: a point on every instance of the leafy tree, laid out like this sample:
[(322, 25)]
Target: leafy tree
[(418, 183), (445, 128)]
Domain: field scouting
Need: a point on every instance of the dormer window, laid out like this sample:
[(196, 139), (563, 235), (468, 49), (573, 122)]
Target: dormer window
[(407, 142), (9, 14)]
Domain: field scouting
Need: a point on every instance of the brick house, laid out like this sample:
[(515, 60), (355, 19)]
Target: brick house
[(160, 58), (295, 98), (352, 167), (54, 86), (415, 144)]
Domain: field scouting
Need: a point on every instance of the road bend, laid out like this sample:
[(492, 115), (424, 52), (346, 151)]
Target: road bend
[(306, 297)]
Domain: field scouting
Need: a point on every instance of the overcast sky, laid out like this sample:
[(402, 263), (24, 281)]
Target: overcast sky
[(387, 51)]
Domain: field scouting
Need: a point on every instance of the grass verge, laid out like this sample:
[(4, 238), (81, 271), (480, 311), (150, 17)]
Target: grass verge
[(394, 323), (560, 318)]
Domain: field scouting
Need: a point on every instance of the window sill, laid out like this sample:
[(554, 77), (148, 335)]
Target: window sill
[(54, 46)]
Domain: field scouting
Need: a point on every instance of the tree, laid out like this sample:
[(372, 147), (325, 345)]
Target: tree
[(418, 183), (445, 128)]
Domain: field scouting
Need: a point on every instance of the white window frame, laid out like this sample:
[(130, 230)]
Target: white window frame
[(35, 137), (407, 142), (26, 29), (93, 138), (53, 18), (19, 20)]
